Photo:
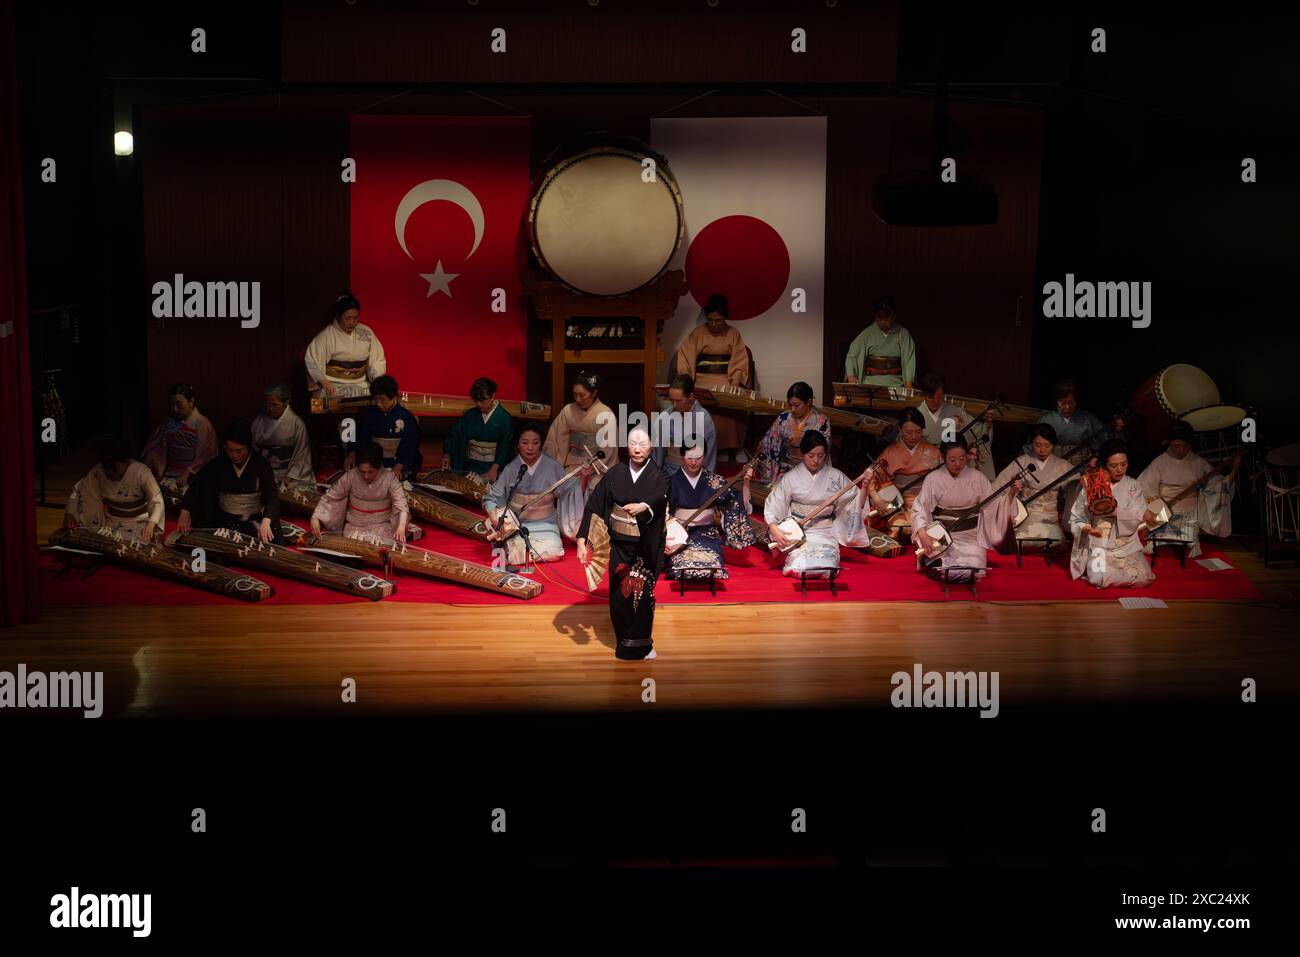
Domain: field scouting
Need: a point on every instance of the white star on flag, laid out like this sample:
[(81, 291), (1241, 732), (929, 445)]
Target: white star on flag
[(439, 281)]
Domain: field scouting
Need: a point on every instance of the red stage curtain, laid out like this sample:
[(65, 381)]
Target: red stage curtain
[(18, 573)]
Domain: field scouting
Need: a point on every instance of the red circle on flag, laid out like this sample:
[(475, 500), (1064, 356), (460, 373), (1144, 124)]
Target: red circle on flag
[(743, 258)]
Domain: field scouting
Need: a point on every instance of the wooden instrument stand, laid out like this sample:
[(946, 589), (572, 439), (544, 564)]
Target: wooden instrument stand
[(556, 304)]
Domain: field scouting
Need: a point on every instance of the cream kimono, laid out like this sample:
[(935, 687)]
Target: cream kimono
[(717, 361), (128, 505), (935, 429), (1209, 511), (283, 442), (944, 497), (796, 495), (354, 505), (1044, 519), (569, 433), (1115, 559), (349, 361)]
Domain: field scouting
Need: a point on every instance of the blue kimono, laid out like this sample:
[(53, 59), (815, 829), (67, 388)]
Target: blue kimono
[(398, 433), (705, 538)]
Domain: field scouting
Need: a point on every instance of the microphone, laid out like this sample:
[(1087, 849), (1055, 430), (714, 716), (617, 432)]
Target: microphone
[(600, 453), (522, 469)]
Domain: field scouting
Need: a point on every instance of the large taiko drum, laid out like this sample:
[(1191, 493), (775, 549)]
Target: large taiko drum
[(598, 226), (1161, 399), (1218, 432)]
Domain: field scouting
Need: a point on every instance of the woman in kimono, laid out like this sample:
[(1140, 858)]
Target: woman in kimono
[(346, 355), (1179, 468), (480, 441), (631, 501), (714, 355), (394, 427), (906, 459), (1044, 512), (779, 451), (280, 436), (798, 494), (183, 444), (520, 483), (237, 489), (940, 416), (1107, 549), (690, 488), (585, 423), (884, 353), (367, 500), (118, 493), (946, 494)]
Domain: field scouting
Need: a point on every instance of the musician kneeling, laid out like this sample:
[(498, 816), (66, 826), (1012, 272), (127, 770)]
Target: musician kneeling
[(235, 490), (799, 493), (695, 541), (1171, 476), (519, 486), (118, 493), (366, 500), (1106, 546), (948, 498), (1043, 511)]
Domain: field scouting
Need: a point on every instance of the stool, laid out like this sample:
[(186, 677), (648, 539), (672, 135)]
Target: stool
[(1047, 544), (713, 582), (960, 568), (803, 578), (1182, 546)]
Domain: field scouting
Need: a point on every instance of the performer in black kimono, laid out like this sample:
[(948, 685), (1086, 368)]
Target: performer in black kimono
[(236, 490), (632, 499), (689, 489)]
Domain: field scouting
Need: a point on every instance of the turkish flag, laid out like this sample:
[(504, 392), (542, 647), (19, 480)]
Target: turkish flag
[(754, 196), (437, 228)]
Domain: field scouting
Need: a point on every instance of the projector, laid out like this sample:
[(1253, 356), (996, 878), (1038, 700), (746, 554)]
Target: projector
[(922, 199)]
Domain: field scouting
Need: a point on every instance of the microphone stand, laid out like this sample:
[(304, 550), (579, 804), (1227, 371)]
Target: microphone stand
[(526, 568)]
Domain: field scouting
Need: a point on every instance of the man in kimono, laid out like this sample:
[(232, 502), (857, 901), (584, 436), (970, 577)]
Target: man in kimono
[(394, 428), (686, 424), (1177, 469), (346, 355), (183, 444), (943, 421), (280, 436), (1072, 424), (237, 489), (481, 441), (519, 486), (632, 500), (1044, 512), (883, 353), (714, 354), (798, 494), (367, 500), (118, 493), (908, 460), (689, 489), (586, 423), (947, 494), (1107, 549)]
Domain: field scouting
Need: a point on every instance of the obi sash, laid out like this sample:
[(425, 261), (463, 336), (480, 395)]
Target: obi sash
[(539, 510), (884, 365), (623, 523), (278, 455), (389, 445), (242, 505), (948, 516), (480, 451), (707, 517), (346, 369), (800, 510), (182, 446), (369, 511), (134, 508), (712, 364)]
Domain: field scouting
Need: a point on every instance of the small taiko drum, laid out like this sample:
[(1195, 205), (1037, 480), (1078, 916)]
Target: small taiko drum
[(599, 223), (1161, 399), (1101, 495)]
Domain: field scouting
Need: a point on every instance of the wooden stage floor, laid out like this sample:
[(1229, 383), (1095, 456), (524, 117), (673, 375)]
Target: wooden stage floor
[(408, 658)]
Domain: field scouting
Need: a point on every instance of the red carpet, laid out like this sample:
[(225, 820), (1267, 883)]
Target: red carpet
[(754, 578)]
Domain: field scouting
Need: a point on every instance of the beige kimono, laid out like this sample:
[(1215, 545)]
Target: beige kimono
[(569, 433), (716, 361)]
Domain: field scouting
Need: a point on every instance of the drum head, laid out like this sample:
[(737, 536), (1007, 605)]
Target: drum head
[(1211, 418), (1285, 456), (1182, 388), (599, 228)]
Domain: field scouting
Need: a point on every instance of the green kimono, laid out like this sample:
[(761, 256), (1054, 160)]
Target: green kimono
[(882, 358), (477, 445)]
